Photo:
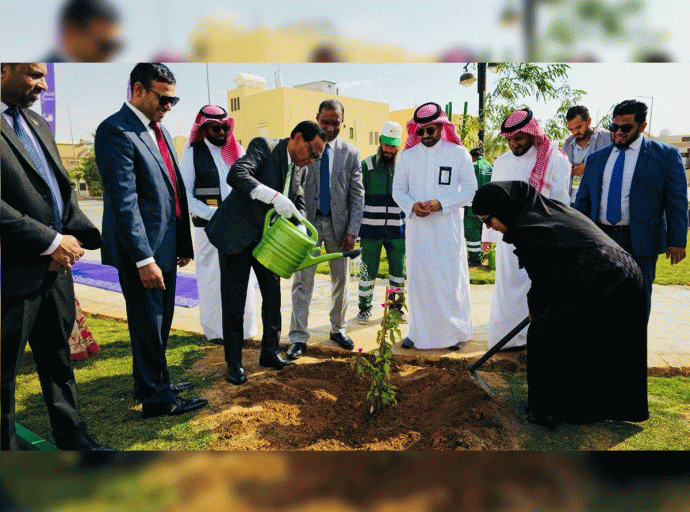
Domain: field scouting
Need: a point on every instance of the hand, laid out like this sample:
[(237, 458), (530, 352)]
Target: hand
[(181, 262), (486, 247), (677, 254), (54, 266), (433, 205), (68, 252), (285, 207), (348, 242), (419, 210), (151, 276), (577, 169)]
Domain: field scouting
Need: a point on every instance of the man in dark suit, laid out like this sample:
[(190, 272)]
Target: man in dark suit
[(43, 232), (636, 192), (269, 176), (146, 231)]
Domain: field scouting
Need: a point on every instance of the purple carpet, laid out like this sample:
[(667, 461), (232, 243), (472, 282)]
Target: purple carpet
[(94, 274)]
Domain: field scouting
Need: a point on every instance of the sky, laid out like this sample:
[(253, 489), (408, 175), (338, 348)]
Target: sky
[(91, 92), (152, 25)]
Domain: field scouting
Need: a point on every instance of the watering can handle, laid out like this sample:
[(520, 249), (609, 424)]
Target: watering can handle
[(314, 236)]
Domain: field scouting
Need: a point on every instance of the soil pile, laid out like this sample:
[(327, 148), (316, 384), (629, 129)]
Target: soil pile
[(321, 405)]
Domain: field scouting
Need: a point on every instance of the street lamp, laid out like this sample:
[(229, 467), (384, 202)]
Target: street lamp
[(651, 109), (467, 79)]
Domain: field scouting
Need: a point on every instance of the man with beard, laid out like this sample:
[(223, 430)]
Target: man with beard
[(210, 151), (537, 160), (44, 232), (383, 224), (433, 181), (473, 225), (584, 141), (636, 192)]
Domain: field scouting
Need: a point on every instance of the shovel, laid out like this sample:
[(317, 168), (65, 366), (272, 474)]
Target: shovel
[(498, 346)]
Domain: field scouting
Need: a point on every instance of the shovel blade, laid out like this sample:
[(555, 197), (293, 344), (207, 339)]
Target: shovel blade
[(484, 385)]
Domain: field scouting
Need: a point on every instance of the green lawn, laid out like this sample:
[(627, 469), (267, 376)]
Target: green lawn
[(666, 274), (107, 406)]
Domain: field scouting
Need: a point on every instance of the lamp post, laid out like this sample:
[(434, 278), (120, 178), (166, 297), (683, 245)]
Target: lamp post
[(651, 109), (467, 79), (71, 135)]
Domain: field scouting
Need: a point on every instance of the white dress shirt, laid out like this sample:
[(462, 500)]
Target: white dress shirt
[(631, 156)]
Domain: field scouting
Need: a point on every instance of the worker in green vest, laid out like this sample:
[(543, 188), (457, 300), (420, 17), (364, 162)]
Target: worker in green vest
[(473, 226), (383, 224)]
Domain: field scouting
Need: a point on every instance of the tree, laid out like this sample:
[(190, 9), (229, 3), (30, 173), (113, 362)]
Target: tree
[(522, 81), (89, 172)]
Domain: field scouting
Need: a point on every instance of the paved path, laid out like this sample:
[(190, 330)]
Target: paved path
[(669, 325)]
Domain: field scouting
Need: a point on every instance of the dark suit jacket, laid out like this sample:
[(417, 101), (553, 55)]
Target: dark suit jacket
[(658, 197), (27, 218), (239, 220), (138, 197)]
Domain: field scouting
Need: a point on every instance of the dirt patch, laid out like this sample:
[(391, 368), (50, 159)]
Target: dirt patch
[(320, 405)]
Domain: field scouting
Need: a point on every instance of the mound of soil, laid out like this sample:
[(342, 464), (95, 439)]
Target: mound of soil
[(320, 405)]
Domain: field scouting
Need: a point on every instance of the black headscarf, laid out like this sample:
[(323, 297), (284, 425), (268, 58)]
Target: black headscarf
[(531, 217)]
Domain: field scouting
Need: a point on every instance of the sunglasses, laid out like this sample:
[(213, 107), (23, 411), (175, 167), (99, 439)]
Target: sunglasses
[(108, 47), (218, 128), (429, 130), (164, 100), (625, 128), (313, 154), (487, 220)]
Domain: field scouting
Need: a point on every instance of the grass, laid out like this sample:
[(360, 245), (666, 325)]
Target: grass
[(666, 274), (668, 427), (106, 404), (106, 400)]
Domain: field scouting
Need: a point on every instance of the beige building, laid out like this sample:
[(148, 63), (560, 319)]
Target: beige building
[(682, 142), (274, 113), (71, 155)]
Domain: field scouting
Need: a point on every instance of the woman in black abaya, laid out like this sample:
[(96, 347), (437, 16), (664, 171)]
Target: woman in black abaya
[(587, 342)]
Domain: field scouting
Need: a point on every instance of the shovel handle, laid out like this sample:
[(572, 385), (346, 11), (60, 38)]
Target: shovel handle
[(498, 346)]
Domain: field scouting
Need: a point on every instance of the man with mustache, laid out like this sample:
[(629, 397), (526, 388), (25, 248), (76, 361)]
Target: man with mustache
[(383, 224), (537, 160), (636, 191)]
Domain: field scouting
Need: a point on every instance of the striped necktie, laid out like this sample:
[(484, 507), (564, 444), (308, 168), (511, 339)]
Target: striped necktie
[(32, 150), (168, 163)]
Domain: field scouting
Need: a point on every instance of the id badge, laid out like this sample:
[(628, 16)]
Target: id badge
[(444, 175)]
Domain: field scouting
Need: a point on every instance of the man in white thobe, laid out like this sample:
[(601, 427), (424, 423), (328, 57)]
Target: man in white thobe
[(210, 152), (535, 159), (433, 181)]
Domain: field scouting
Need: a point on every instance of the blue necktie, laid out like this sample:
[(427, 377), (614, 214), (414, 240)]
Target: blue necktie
[(325, 185), (31, 149), (613, 209)]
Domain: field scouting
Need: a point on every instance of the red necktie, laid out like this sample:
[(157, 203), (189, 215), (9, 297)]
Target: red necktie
[(168, 163)]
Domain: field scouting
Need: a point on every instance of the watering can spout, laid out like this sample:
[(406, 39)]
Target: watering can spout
[(315, 260)]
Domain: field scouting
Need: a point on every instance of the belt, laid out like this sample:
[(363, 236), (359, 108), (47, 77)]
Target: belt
[(198, 222), (624, 228)]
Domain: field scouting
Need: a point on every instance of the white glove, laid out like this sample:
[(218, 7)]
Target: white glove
[(282, 204)]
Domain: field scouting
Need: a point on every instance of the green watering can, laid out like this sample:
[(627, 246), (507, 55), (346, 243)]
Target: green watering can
[(284, 249)]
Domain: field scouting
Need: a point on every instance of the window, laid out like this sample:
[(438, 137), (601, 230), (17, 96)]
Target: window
[(685, 139), (352, 133), (371, 137)]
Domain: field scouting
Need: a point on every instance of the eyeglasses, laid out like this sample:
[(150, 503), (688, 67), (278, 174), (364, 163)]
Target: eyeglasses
[(487, 220), (164, 100), (313, 154), (429, 130), (625, 128), (217, 128)]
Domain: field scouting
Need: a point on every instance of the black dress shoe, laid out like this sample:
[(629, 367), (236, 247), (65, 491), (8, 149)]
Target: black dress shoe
[(235, 374), (179, 406), (181, 386), (296, 350), (343, 340), (274, 360), (81, 442), (216, 341)]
